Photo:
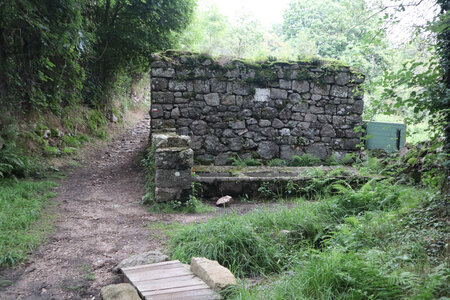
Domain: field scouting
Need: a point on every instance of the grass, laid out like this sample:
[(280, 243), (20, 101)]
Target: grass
[(380, 241), (21, 224)]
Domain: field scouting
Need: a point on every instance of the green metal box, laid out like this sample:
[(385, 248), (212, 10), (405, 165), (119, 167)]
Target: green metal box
[(387, 136)]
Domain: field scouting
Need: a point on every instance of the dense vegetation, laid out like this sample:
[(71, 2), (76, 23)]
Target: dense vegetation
[(383, 240), (67, 68), (58, 53), (57, 56)]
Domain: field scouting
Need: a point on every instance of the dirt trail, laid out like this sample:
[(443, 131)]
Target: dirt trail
[(100, 222)]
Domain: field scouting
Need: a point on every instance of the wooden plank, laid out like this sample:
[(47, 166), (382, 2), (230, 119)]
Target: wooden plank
[(150, 270), (153, 266), (167, 284), (174, 290), (154, 275), (202, 294), (163, 280)]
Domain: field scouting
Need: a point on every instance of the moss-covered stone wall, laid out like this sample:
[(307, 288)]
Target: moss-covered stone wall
[(264, 110)]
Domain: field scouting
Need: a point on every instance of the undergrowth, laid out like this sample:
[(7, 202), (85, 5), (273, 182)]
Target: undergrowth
[(379, 241), (21, 206)]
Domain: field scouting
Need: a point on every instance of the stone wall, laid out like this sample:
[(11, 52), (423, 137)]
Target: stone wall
[(265, 110)]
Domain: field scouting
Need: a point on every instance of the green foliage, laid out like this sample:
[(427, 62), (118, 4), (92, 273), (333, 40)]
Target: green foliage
[(238, 161), (149, 165), (96, 123), (51, 151), (425, 95), (42, 46), (21, 204), (12, 162), (277, 162), (61, 53), (305, 160), (334, 29)]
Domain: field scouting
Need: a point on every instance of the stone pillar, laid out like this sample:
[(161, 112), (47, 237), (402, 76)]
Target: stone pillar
[(173, 163)]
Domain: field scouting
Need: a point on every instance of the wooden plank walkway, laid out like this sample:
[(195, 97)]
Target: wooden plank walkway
[(168, 280)]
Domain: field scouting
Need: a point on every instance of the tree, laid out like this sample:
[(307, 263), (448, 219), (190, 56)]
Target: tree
[(245, 36), (54, 53), (207, 32), (41, 54), (128, 31), (345, 30)]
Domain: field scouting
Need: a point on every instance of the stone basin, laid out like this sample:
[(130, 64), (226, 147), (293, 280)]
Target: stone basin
[(271, 174), (219, 181)]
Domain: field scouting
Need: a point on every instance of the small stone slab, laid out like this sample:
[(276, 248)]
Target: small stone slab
[(122, 291), (210, 271), (145, 258)]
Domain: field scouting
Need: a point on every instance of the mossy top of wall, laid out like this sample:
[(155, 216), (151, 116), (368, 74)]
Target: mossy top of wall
[(262, 73)]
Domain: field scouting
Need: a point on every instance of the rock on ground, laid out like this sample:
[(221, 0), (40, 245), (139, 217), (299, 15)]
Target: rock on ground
[(150, 257), (122, 291), (224, 201), (212, 273)]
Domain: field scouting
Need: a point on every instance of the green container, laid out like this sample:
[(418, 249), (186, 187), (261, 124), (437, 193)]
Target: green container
[(387, 136)]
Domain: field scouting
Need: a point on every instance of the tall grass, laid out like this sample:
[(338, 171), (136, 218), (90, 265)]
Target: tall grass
[(354, 244), (21, 205)]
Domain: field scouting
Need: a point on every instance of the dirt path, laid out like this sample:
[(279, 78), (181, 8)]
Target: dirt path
[(100, 222)]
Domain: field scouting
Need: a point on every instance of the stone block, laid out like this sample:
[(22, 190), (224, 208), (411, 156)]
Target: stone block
[(163, 97), (269, 113), (159, 84), (318, 149), (300, 86), (327, 131), (172, 194), (156, 111), (168, 140), (278, 94), (238, 88), (264, 123), (277, 124), (173, 178), (150, 257), (268, 150), (285, 84), (201, 86), (163, 72), (339, 91), (229, 100), (212, 273), (177, 86), (121, 291), (218, 86), (321, 89), (174, 158), (212, 99), (342, 78)]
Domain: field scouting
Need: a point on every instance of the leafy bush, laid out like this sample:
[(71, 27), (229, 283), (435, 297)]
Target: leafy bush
[(277, 162), (374, 195), (248, 162), (12, 163), (305, 160)]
